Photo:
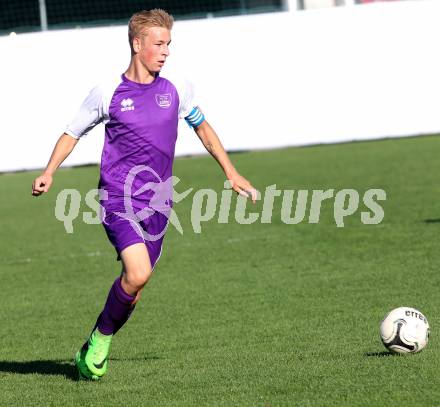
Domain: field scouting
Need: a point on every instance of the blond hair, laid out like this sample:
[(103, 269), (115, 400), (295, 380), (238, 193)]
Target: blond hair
[(145, 19)]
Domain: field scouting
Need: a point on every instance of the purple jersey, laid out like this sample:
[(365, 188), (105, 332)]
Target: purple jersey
[(136, 165), (140, 129)]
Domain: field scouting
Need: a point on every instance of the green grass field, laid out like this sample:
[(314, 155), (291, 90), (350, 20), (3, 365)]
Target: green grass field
[(239, 315)]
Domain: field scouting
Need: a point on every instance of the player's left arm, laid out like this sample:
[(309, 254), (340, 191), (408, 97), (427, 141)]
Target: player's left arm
[(214, 146)]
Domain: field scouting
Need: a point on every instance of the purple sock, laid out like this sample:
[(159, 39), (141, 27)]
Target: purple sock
[(117, 309), (121, 323)]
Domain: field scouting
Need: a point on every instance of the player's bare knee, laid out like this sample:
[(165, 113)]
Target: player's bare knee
[(137, 277)]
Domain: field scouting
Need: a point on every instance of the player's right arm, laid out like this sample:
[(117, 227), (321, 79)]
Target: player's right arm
[(63, 148), (92, 111)]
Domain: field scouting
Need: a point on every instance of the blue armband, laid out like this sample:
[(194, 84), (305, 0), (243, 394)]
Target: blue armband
[(195, 118)]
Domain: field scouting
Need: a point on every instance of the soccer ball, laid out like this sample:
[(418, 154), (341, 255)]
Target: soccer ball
[(404, 330)]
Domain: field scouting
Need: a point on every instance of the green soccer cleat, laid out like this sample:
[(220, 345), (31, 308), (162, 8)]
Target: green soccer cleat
[(96, 356), (80, 363)]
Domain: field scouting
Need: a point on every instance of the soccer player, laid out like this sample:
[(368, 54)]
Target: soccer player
[(140, 110)]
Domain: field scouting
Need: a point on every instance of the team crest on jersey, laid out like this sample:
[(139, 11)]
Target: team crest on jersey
[(164, 100), (126, 104)]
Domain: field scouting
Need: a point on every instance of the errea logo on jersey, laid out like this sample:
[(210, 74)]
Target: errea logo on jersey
[(126, 104)]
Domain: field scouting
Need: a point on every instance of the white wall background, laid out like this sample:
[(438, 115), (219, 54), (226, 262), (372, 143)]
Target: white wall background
[(282, 79)]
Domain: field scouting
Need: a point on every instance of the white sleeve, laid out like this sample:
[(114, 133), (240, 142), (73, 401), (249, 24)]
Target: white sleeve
[(91, 113), (187, 99), (188, 108)]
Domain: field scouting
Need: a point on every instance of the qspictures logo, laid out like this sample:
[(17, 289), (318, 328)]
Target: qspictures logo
[(290, 205)]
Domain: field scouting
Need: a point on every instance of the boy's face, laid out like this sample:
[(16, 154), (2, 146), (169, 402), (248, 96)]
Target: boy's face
[(152, 48)]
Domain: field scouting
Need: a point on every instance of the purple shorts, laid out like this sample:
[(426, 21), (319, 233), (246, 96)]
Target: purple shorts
[(124, 231)]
